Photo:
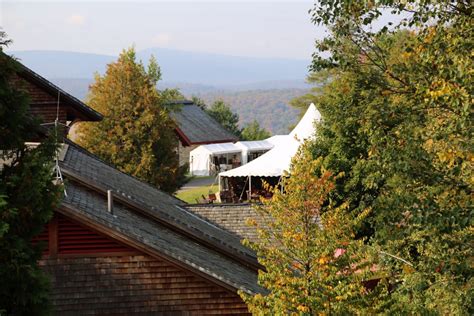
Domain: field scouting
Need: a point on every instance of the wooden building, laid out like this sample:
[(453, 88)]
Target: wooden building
[(195, 127), (117, 245)]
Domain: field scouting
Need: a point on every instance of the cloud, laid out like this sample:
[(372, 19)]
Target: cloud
[(161, 39), (76, 19)]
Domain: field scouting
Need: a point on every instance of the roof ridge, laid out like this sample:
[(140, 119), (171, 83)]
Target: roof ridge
[(191, 115)]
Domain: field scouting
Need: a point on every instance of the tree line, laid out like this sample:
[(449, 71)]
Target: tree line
[(223, 114)]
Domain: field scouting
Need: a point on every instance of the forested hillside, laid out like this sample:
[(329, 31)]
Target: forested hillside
[(269, 107)]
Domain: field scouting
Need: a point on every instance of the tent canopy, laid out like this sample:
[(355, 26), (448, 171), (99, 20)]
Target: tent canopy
[(217, 149), (278, 160), (200, 158), (270, 164), (254, 145), (276, 139)]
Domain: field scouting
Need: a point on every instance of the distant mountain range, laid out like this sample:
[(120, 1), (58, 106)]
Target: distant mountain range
[(177, 66), (246, 81)]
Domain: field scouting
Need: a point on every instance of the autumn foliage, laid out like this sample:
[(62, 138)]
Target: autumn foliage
[(137, 133), (312, 262), (396, 106)]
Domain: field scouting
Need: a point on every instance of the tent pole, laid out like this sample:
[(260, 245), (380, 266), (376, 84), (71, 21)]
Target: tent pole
[(250, 187)]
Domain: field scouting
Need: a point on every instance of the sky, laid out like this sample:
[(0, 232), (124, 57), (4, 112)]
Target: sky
[(261, 28)]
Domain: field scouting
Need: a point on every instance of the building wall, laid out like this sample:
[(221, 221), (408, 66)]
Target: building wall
[(133, 284), (184, 152), (42, 104), (92, 274)]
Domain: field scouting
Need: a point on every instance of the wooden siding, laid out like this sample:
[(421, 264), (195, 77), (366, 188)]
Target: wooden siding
[(74, 238), (91, 274), (125, 285), (36, 94), (184, 152), (42, 104), (63, 236)]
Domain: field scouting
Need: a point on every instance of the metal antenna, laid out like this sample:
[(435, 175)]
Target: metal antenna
[(57, 169)]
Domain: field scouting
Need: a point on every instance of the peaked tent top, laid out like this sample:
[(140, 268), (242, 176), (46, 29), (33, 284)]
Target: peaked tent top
[(305, 127), (278, 160)]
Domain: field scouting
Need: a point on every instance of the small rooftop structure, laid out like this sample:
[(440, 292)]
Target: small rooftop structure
[(195, 126)]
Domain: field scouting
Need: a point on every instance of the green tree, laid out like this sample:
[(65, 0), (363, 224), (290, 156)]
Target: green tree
[(397, 122), (136, 134), (301, 102), (312, 263), (222, 113), (252, 131), (27, 198), (199, 102)]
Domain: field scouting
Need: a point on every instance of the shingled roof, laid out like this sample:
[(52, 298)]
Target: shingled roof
[(153, 222), (195, 126), (231, 217)]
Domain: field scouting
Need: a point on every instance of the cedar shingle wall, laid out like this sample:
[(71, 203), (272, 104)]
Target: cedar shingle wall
[(136, 284), (43, 104), (184, 152)]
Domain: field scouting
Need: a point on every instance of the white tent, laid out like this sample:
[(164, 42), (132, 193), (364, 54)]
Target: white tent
[(253, 147), (278, 159), (200, 159), (277, 139)]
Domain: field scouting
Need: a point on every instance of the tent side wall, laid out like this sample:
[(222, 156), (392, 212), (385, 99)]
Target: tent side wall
[(199, 160), (245, 156)]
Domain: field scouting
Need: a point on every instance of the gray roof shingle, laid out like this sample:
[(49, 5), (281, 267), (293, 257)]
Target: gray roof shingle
[(197, 126), (151, 234), (231, 217)]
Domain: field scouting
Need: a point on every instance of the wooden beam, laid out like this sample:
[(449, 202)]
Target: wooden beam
[(184, 139), (53, 237)]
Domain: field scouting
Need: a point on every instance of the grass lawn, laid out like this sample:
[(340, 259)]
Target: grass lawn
[(191, 195)]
